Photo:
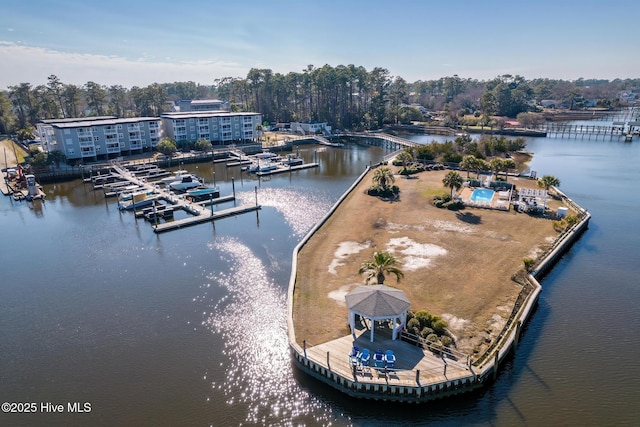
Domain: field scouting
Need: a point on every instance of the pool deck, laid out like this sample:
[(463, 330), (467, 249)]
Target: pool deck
[(495, 203)]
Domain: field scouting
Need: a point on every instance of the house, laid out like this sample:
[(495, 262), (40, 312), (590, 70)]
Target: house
[(310, 127), (186, 105)]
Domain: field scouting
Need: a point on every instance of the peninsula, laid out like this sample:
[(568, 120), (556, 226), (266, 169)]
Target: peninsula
[(463, 265)]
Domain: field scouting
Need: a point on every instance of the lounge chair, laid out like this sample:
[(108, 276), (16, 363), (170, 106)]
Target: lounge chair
[(378, 359), (365, 357), (353, 356), (390, 359)]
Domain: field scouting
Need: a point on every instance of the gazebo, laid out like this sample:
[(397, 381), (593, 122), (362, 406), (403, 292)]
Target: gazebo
[(378, 302)]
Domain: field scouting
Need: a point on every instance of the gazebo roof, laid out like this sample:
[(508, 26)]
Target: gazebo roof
[(377, 301)]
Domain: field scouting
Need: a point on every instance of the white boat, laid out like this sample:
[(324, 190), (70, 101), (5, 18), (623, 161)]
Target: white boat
[(261, 166), (186, 182), (177, 175), (138, 200), (268, 166), (267, 155)]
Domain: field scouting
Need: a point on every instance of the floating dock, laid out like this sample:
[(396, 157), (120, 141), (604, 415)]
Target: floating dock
[(205, 215), (200, 213), (283, 169)]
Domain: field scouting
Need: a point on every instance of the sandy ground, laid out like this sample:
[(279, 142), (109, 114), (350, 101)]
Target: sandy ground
[(457, 264)]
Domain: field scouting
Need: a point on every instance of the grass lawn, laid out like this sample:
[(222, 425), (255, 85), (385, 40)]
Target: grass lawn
[(456, 264)]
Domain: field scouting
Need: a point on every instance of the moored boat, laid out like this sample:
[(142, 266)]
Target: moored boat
[(201, 194), (186, 182)]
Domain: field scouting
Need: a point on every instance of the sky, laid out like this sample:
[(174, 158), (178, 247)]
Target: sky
[(139, 42)]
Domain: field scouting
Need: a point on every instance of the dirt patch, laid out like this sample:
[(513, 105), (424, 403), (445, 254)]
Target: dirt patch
[(456, 264)]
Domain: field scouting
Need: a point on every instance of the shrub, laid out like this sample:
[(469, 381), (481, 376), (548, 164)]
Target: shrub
[(454, 205), (428, 320), (413, 325), (432, 338), (528, 263), (425, 332), (446, 340), (571, 220)]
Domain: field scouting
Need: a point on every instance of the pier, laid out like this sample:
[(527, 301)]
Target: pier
[(200, 211), (382, 139), (617, 130)]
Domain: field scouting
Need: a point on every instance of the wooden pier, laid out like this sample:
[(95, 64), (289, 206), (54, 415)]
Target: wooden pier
[(199, 211), (617, 130), (205, 215), (284, 169)]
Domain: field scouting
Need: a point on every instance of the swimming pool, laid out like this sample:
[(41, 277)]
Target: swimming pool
[(482, 195)]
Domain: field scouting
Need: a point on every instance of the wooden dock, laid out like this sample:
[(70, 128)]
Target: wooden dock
[(413, 366), (284, 169), (205, 215), (199, 211)]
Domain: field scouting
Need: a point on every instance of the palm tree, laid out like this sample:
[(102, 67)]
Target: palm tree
[(496, 165), (405, 157), (453, 180), (506, 165), (383, 177), (468, 163), (548, 181), (381, 264)]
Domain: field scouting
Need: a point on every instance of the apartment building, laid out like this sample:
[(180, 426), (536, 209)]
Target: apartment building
[(99, 138), (221, 128)]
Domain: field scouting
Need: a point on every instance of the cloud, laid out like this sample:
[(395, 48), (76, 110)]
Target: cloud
[(34, 64)]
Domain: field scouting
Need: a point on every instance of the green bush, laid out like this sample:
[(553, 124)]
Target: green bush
[(528, 263), (446, 340), (428, 320), (571, 220), (425, 332), (413, 325)]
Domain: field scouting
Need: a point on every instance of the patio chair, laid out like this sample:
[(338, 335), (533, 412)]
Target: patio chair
[(353, 356), (390, 359), (378, 359), (365, 357)]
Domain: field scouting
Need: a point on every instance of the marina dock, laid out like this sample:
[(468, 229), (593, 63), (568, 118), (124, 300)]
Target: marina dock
[(200, 211), (204, 215), (283, 169)]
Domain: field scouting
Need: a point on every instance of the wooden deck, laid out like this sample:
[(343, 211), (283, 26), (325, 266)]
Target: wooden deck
[(204, 215), (284, 169), (414, 366)]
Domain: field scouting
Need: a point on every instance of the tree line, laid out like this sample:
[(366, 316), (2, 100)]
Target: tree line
[(345, 96)]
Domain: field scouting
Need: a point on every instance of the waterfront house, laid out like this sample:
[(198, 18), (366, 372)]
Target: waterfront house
[(310, 127), (185, 105)]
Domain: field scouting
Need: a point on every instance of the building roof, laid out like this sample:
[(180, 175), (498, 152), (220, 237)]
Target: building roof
[(86, 122), (207, 101), (203, 114), (377, 301)]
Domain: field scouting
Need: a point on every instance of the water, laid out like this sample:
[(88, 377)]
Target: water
[(189, 327), (482, 195)]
